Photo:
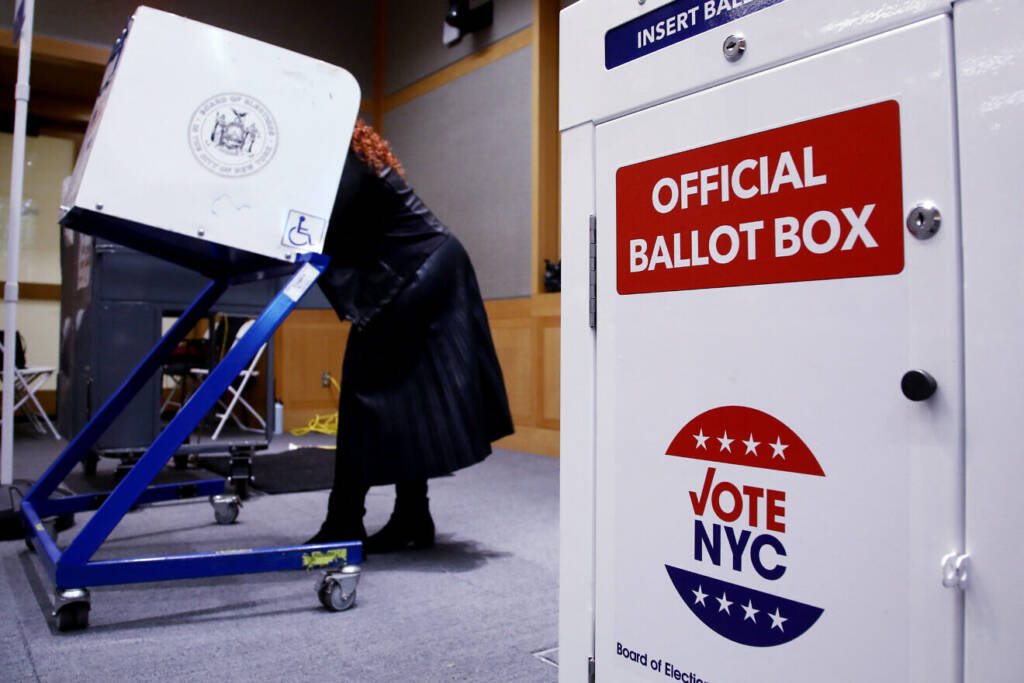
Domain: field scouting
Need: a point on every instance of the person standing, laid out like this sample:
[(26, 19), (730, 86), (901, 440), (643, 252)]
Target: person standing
[(422, 393)]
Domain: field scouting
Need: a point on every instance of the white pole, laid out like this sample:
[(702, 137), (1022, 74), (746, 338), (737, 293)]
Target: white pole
[(14, 245)]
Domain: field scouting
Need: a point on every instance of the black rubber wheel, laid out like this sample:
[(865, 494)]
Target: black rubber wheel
[(82, 615), (73, 616), (226, 514), (89, 463), (333, 597)]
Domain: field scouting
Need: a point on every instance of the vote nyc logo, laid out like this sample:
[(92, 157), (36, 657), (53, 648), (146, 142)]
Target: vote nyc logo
[(739, 525)]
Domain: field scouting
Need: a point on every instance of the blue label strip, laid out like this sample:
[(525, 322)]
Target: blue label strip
[(671, 24)]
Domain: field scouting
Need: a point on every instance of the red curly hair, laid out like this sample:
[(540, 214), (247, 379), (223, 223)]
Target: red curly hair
[(373, 149)]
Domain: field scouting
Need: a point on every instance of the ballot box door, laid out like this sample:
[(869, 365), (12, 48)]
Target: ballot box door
[(779, 374)]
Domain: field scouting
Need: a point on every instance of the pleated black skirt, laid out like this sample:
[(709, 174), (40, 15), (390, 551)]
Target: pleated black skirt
[(422, 393)]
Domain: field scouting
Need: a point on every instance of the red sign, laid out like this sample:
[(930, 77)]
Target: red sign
[(816, 200)]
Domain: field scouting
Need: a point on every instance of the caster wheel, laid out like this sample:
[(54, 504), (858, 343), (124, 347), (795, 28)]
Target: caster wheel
[(337, 589), (225, 508), (73, 616), (71, 609), (89, 463), (333, 596)]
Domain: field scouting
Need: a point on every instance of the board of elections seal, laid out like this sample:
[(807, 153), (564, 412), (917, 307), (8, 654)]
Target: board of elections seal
[(233, 135)]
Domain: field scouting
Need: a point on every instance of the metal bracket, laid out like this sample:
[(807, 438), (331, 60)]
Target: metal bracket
[(954, 570), (593, 272), (69, 596)]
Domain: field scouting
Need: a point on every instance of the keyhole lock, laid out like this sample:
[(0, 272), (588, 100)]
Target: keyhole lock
[(918, 385), (734, 47), (924, 220)]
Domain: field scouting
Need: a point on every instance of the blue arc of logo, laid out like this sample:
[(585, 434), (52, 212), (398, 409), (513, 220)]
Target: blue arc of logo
[(743, 615)]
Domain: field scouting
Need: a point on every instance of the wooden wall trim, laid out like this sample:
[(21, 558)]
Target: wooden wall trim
[(380, 45), (37, 291), (539, 305), (545, 148), (531, 440), (466, 65), (47, 399), (57, 49), (527, 337)]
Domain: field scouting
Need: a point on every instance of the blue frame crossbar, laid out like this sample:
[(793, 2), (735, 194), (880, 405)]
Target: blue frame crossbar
[(73, 568)]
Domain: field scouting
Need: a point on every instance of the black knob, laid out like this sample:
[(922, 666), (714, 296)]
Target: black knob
[(918, 385)]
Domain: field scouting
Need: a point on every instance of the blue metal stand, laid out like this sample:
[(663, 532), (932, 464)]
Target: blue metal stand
[(73, 569)]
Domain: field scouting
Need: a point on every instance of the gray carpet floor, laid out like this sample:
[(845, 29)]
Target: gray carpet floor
[(480, 606)]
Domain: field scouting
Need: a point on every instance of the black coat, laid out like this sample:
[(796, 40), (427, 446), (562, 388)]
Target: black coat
[(422, 392)]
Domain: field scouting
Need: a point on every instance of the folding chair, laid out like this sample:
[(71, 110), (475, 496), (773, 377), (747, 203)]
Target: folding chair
[(235, 390), (27, 381), (190, 355)]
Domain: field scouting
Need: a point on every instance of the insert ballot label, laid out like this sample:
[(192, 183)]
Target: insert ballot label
[(671, 24), (816, 200)]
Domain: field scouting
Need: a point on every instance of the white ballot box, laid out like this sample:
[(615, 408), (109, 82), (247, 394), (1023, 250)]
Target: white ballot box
[(790, 341), (206, 147)]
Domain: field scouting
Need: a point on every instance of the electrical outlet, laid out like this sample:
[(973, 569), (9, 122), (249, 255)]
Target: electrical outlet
[(325, 378)]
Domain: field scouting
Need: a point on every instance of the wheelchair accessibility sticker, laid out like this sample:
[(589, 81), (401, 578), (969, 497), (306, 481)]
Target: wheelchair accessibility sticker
[(303, 232)]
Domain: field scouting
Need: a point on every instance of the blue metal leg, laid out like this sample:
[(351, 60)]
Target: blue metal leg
[(184, 422), (101, 421), (72, 568), (221, 563), (153, 494)]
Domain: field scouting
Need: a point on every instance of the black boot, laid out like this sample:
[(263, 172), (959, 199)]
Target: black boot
[(345, 508), (337, 532), (410, 526)]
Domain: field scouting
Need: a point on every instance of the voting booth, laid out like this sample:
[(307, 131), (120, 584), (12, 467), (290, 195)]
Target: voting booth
[(222, 154), (785, 299)]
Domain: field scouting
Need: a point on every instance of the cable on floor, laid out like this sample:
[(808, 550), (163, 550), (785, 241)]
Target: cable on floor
[(321, 424)]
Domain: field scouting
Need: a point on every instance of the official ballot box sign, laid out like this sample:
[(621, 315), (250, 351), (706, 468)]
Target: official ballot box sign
[(786, 205), (206, 146)]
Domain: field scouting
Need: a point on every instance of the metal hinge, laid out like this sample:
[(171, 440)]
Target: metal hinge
[(593, 278), (590, 669), (954, 570)]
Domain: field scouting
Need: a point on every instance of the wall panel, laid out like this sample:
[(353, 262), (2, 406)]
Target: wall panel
[(466, 148), (527, 335), (413, 37), (310, 342)]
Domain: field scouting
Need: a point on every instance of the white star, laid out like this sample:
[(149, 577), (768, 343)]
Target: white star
[(750, 611), (723, 604), (725, 441), (778, 447), (698, 596), (700, 440), (751, 446), (777, 619)]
